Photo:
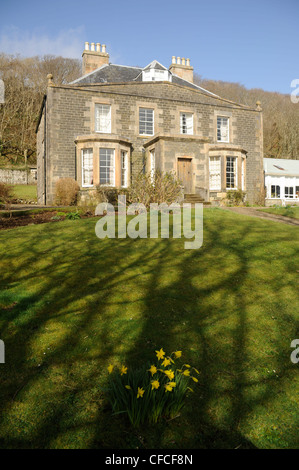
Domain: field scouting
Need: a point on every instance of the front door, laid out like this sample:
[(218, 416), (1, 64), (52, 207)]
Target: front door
[(185, 174)]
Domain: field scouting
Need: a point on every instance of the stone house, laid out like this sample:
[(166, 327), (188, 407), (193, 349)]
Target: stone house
[(116, 121)]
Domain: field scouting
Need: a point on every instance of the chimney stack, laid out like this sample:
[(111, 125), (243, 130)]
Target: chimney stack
[(182, 68), (94, 57)]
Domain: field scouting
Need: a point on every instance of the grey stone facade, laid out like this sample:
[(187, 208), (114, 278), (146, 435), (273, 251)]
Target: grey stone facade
[(67, 117)]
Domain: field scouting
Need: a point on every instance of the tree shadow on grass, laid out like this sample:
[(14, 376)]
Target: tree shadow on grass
[(85, 301)]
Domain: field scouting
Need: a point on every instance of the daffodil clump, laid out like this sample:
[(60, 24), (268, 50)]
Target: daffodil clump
[(156, 390)]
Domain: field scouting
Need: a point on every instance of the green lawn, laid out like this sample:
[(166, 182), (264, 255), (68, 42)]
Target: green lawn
[(25, 191), (72, 304), (285, 211)]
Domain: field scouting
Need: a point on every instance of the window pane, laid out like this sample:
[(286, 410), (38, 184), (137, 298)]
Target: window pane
[(146, 121), (215, 173), (222, 129), (186, 123), (107, 166), (124, 169), (103, 118), (231, 172), (87, 167)]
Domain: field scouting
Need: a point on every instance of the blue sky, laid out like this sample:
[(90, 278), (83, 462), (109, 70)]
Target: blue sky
[(252, 42)]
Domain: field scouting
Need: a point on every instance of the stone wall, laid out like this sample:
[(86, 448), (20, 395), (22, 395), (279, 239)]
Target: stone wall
[(17, 176)]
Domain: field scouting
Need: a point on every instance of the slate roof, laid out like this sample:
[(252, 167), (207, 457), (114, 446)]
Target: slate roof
[(112, 73), (281, 167)]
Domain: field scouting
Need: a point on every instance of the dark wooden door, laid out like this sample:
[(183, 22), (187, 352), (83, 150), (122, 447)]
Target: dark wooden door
[(185, 174)]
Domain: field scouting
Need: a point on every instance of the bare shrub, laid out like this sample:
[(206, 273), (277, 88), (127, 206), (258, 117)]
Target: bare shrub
[(66, 192), (5, 193), (163, 187)]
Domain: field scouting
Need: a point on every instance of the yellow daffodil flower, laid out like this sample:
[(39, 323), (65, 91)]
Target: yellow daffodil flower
[(196, 370), (186, 372), (153, 370), (155, 384), (123, 370), (168, 388), (140, 392), (178, 354), (166, 362), (194, 379), (110, 368), (172, 384), (169, 373), (187, 365), (128, 387), (160, 354)]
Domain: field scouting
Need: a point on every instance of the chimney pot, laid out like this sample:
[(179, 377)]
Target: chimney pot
[(94, 58), (183, 61), (178, 60), (173, 61)]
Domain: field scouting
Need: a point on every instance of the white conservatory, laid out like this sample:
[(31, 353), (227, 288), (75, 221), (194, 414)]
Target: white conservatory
[(281, 181)]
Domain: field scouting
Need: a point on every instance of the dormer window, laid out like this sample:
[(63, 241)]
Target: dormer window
[(156, 72)]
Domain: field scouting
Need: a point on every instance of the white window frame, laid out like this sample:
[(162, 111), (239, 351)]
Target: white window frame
[(147, 122), (220, 120), (124, 168), (111, 167), (287, 190), (186, 127), (215, 173), (152, 164), (102, 127), (235, 173), (88, 152), (275, 191)]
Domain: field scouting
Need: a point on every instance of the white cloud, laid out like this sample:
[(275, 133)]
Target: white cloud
[(68, 43)]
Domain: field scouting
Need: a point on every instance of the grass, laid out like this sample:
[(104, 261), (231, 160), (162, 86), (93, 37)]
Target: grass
[(25, 191), (72, 304), (288, 211)]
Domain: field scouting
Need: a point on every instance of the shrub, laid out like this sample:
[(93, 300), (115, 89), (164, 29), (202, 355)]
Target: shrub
[(66, 192), (110, 195), (151, 392), (235, 197), (163, 188), (5, 193)]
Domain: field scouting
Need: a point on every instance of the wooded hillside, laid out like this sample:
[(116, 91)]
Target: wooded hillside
[(280, 115), (25, 84)]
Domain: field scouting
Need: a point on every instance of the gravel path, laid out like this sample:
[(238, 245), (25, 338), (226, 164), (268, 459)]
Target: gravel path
[(251, 211)]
